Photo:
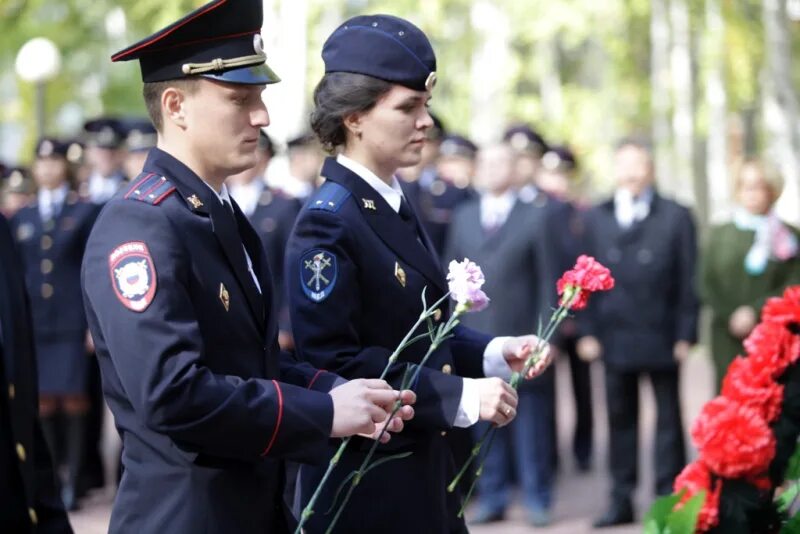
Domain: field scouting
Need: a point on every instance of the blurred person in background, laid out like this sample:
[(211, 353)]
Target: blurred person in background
[(140, 137), (51, 234), (557, 178), (509, 239), (305, 161), (646, 325), (104, 156), (447, 187), (529, 148), (29, 493), (16, 191), (424, 173), (746, 261), (272, 213)]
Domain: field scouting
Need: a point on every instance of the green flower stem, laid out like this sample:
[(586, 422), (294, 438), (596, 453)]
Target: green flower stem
[(441, 335), (516, 378), (407, 341)]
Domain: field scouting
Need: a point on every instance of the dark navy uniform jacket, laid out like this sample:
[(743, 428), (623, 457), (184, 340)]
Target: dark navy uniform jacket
[(204, 401), (355, 273), (30, 499), (51, 254)]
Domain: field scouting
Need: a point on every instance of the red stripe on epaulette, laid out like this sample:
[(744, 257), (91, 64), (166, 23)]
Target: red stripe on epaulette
[(316, 375), (134, 187), (278, 422), (167, 193), (159, 37)]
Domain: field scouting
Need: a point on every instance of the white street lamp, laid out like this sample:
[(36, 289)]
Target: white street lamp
[(38, 61)]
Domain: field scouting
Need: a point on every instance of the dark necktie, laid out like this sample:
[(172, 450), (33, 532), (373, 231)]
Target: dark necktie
[(408, 217)]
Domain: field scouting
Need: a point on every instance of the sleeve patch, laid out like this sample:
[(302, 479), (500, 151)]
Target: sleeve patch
[(133, 275), (318, 272)]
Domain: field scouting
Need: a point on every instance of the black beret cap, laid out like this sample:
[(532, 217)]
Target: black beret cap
[(219, 40), (48, 147), (384, 47), (140, 134), (458, 146), (525, 139)]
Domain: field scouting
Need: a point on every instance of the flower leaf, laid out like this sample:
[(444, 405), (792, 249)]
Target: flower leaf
[(660, 511), (684, 521), (793, 469), (792, 526), (786, 498)]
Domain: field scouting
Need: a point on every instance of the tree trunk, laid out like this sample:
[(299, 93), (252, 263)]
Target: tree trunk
[(781, 117), (718, 190), (550, 84), (683, 111), (489, 72), (660, 95)]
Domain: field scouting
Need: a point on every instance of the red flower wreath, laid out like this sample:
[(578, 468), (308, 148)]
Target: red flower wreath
[(772, 346), (733, 439), (749, 382), (694, 478), (785, 309)]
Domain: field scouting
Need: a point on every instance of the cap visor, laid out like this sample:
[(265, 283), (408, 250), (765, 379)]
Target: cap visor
[(253, 75)]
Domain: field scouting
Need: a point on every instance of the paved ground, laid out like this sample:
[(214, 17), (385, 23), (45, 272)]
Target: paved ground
[(579, 498)]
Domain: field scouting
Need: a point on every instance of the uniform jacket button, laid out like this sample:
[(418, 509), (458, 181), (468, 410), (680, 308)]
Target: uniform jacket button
[(33, 516), (47, 291), (444, 433), (21, 452), (447, 369), (12, 391)]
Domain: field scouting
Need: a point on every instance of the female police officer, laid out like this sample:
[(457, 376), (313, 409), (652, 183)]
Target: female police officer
[(356, 264), (52, 234)]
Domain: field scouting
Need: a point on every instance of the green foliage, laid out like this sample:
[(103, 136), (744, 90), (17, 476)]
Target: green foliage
[(664, 519)]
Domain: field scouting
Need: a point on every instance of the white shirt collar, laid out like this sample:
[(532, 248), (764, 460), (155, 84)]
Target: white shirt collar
[(53, 196), (495, 209), (392, 194)]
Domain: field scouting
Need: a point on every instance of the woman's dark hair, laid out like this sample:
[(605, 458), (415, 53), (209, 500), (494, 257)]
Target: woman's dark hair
[(337, 95)]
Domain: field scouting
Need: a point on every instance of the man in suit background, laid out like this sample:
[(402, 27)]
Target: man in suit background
[(29, 493), (508, 238), (647, 324)]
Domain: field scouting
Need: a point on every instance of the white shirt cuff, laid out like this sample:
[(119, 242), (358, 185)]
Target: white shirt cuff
[(494, 364), (469, 409)]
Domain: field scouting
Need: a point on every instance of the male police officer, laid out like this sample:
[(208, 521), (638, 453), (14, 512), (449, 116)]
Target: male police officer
[(179, 299)]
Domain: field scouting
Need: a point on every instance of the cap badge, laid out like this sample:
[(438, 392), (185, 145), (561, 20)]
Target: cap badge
[(46, 149), (258, 44), (430, 83)]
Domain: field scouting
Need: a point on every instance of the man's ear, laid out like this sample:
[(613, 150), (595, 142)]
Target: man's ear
[(173, 103)]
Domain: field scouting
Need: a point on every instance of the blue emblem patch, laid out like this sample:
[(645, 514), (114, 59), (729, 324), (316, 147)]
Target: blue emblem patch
[(318, 271)]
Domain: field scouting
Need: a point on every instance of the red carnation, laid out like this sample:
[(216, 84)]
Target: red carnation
[(694, 478), (734, 440), (750, 383), (773, 347), (785, 309), (587, 277)]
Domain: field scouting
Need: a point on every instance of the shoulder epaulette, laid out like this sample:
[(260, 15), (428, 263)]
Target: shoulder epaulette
[(150, 188), (329, 197)]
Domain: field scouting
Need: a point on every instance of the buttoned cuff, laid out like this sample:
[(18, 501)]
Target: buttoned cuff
[(494, 364), (469, 408)]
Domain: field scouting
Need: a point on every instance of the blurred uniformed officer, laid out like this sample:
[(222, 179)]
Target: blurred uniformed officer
[(272, 213), (16, 191), (104, 156), (140, 137), (29, 494), (179, 299), (356, 265), (529, 147), (305, 159), (52, 233)]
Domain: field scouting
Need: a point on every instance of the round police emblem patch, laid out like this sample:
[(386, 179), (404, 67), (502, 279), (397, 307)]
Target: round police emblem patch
[(318, 271), (133, 275)]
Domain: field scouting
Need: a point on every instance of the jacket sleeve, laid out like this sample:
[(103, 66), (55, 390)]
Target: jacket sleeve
[(687, 306), (327, 333), (158, 352)]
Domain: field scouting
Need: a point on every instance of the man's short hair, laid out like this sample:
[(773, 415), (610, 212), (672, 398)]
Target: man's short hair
[(152, 92)]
